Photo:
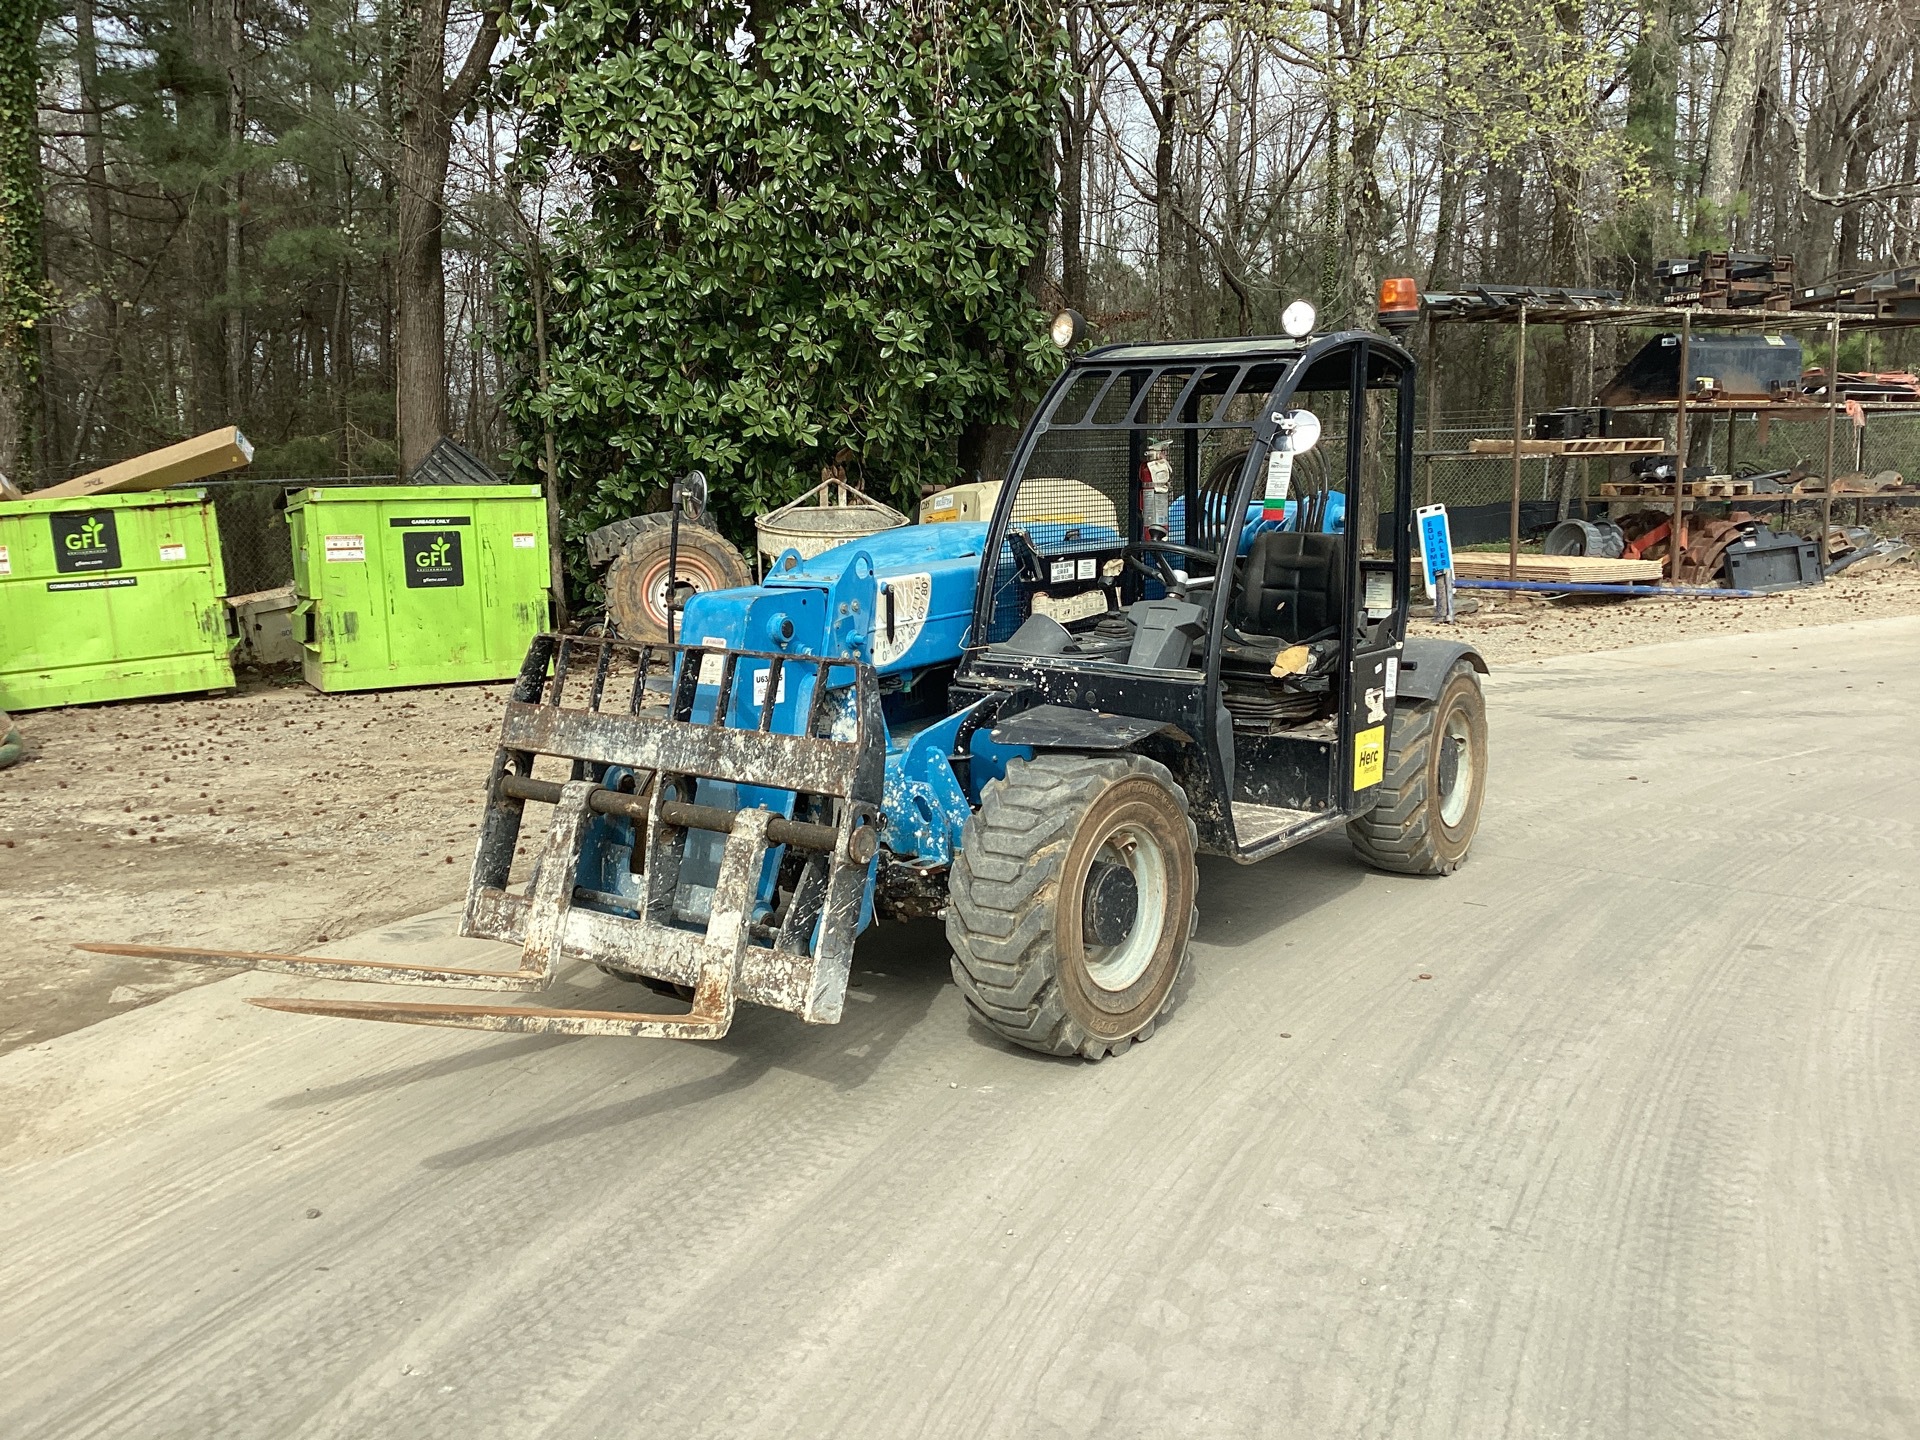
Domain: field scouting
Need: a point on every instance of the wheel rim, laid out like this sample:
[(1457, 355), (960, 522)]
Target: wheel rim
[(1114, 968), (653, 590), (1454, 779)]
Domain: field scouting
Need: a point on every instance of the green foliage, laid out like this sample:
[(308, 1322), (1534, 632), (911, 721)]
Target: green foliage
[(795, 245), (243, 277), (21, 300)]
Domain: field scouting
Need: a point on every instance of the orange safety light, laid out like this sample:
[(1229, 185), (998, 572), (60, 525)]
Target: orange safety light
[(1399, 302), (1399, 294)]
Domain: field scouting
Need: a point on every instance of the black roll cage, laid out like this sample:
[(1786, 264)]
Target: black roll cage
[(1298, 359)]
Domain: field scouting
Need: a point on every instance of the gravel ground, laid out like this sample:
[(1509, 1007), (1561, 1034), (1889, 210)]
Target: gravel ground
[(1512, 628), (277, 818)]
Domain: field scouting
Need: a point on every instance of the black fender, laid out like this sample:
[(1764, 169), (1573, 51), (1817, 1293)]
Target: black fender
[(1056, 727), (1425, 661)]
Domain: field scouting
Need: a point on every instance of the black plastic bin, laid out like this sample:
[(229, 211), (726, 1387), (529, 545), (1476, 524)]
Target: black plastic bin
[(1765, 560)]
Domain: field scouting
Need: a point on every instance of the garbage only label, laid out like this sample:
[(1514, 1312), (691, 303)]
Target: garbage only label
[(85, 540), (433, 559)]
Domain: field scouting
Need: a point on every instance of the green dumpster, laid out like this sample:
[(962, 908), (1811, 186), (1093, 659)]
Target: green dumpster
[(111, 597), (417, 584)]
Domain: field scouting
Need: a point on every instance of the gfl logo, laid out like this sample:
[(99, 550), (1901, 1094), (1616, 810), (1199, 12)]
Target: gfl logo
[(88, 537), (437, 556)]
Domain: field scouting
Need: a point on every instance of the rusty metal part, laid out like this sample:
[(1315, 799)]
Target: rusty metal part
[(801, 834), (511, 1019), (373, 971), (713, 996)]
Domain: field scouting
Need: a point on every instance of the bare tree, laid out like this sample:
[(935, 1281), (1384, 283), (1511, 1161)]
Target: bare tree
[(429, 104)]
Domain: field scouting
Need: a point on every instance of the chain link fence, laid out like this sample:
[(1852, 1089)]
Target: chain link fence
[(255, 547)]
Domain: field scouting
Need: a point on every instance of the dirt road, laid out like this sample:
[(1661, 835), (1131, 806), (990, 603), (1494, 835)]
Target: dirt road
[(276, 818), (1636, 1161)]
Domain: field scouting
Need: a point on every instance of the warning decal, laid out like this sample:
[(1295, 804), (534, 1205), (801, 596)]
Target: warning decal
[(904, 602), (1369, 757), (346, 547)]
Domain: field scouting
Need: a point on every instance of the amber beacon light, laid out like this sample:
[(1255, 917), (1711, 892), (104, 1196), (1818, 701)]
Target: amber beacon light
[(1399, 303)]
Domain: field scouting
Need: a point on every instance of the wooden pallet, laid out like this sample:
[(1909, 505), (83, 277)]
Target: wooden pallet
[(1597, 445), (1566, 569), (1654, 490)]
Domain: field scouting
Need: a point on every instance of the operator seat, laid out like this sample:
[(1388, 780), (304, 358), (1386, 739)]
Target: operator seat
[(1293, 591)]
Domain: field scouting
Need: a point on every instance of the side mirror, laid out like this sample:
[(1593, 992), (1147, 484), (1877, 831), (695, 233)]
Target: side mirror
[(1299, 430), (690, 495)]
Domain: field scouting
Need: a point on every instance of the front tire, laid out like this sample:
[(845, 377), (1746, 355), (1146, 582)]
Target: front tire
[(1072, 901), (1428, 806)]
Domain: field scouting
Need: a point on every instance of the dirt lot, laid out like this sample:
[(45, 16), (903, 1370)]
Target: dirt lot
[(276, 818), (270, 819)]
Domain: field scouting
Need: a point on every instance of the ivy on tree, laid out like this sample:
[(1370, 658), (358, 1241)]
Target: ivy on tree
[(808, 228), (21, 299)]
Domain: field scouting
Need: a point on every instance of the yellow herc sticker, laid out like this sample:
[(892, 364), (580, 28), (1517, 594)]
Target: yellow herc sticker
[(1369, 757)]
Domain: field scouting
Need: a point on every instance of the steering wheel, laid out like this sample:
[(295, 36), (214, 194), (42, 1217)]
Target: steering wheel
[(1139, 552)]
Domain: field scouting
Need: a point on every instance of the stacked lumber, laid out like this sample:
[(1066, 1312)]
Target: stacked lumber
[(1592, 445), (1719, 487), (1555, 569)]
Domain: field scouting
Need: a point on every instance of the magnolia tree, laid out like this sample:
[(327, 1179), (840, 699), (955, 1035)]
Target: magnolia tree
[(807, 235)]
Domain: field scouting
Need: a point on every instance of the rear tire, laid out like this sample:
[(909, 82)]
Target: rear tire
[(1072, 901), (1428, 807), (636, 582)]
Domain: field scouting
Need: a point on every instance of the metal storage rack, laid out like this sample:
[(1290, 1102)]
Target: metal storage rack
[(1686, 319)]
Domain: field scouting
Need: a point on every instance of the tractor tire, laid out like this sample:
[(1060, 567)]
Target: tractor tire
[(636, 582), (1072, 901), (1429, 804)]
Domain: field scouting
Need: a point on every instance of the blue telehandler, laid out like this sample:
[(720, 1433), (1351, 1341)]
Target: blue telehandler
[(1182, 632)]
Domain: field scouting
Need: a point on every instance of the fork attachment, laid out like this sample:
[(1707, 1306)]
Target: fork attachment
[(790, 893)]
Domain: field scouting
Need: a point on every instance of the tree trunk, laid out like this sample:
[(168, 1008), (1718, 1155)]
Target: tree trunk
[(93, 152), (1449, 202), (1860, 148), (1741, 77), (1166, 225), (428, 107), (1075, 125), (234, 337), (1366, 212), (19, 227), (206, 230), (1906, 234)]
